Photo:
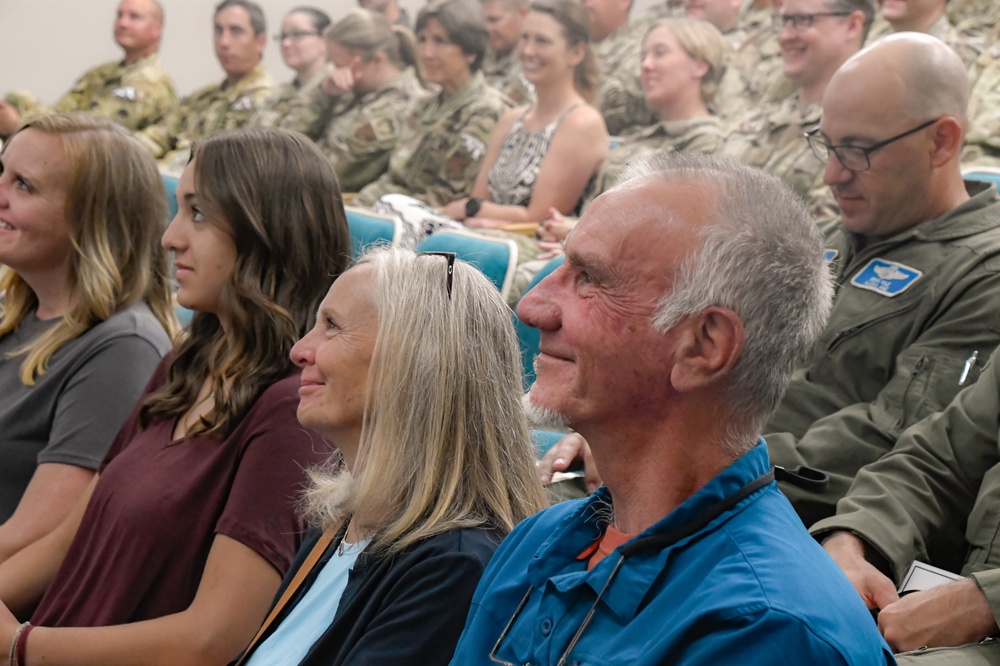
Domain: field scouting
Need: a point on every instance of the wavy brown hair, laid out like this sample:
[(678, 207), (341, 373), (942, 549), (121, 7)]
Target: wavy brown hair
[(115, 208), (277, 196)]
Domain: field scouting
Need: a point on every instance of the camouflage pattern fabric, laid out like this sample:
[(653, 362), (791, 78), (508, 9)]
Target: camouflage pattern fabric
[(754, 76), (292, 105), (968, 48), (360, 133), (623, 104), (211, 109), (697, 135), (975, 18), (442, 146), (134, 96), (771, 138), (503, 72), (982, 142)]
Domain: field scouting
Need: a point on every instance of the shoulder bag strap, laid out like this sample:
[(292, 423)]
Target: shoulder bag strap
[(317, 551)]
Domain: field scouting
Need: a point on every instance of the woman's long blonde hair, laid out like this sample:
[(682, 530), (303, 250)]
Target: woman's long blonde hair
[(115, 208), (445, 443)]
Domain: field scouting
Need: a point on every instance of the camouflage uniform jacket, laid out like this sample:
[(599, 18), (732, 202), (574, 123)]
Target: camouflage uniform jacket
[(975, 18), (982, 142), (292, 105), (754, 77), (772, 138), (967, 48), (211, 109), (503, 72), (134, 96), (360, 133), (697, 135), (442, 146), (908, 312), (623, 103)]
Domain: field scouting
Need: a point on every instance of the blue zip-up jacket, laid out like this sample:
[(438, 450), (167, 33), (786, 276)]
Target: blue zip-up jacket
[(750, 587)]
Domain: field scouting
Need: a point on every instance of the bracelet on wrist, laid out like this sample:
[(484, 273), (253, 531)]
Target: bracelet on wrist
[(21, 657), (12, 655)]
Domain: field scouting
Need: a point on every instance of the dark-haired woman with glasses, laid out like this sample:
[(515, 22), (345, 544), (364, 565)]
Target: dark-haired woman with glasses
[(303, 49)]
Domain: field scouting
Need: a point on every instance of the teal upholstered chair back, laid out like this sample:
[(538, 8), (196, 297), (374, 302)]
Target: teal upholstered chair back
[(170, 185), (495, 257), (527, 336), (985, 174), (369, 229)]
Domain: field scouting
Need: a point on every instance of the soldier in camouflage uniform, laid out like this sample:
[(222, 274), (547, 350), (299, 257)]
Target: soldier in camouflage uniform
[(442, 146), (671, 44), (930, 18), (444, 140), (134, 92), (622, 103), (366, 96), (771, 137), (501, 65), (982, 143), (364, 129), (304, 50), (240, 35), (617, 45), (753, 76)]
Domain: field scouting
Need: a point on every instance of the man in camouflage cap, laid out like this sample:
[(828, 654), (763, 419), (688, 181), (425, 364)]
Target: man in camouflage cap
[(134, 92), (501, 66), (618, 44), (240, 36)]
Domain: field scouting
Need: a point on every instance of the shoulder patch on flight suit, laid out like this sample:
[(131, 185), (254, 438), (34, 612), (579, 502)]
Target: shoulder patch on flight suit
[(830, 255), (885, 277)]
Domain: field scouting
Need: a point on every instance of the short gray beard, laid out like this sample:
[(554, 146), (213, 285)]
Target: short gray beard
[(542, 418)]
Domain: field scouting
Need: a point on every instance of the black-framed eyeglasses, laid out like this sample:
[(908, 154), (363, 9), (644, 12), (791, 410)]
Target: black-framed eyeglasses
[(855, 158), (800, 21), (294, 35), (450, 256)]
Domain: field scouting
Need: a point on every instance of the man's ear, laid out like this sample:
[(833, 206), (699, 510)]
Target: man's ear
[(948, 137), (708, 348)]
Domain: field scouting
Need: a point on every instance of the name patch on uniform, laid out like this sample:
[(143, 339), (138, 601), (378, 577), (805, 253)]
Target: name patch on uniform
[(885, 277), (244, 103), (830, 255), (126, 93)]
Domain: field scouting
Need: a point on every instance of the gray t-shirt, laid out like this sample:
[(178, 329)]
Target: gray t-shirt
[(75, 409)]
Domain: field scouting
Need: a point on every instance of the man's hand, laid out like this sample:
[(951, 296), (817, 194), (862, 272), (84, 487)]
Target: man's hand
[(9, 118), (848, 551), (952, 614), (569, 450)]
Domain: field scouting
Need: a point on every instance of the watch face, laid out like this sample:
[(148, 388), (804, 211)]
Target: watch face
[(472, 206)]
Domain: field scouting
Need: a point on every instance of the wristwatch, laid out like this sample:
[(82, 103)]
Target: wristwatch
[(473, 206)]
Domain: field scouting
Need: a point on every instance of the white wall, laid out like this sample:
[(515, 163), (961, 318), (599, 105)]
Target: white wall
[(46, 44)]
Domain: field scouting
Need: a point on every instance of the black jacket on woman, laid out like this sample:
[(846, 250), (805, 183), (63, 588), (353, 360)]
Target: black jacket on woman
[(406, 609)]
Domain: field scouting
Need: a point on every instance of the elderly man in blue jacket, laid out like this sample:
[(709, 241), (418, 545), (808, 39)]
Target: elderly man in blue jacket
[(688, 295)]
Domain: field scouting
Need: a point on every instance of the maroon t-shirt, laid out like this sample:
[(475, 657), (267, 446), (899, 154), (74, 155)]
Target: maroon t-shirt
[(142, 546)]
